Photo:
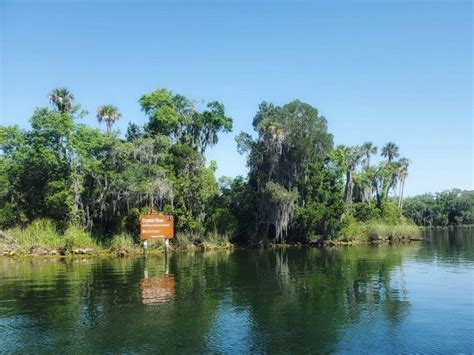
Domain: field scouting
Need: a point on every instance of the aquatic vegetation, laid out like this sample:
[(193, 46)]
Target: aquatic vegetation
[(379, 230), (122, 244)]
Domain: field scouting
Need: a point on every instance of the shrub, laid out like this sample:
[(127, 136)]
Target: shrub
[(379, 230), (40, 233), (76, 237), (184, 240), (390, 213), (215, 239), (122, 244), (353, 230), (365, 212)]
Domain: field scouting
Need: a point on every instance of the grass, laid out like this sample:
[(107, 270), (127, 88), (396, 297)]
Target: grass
[(43, 237), (216, 240), (378, 230), (75, 237), (39, 234), (123, 244), (184, 241)]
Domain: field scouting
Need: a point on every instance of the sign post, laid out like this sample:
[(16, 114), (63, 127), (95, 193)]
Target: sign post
[(156, 226)]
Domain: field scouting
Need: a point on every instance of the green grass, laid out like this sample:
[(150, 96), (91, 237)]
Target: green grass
[(76, 237), (123, 244), (43, 235), (39, 234), (184, 241), (377, 230), (215, 240)]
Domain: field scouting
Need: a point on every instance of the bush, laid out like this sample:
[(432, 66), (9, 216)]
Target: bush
[(41, 233), (76, 237), (365, 212), (122, 244), (215, 239), (379, 230), (353, 230), (390, 213), (184, 240)]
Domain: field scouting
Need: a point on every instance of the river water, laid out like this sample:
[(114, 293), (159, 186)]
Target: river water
[(416, 297)]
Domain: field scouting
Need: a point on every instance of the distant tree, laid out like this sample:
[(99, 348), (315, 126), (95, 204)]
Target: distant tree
[(108, 114), (367, 150), (62, 99), (390, 151), (402, 175)]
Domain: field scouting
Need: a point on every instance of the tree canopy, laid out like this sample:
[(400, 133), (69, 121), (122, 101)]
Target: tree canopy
[(299, 187)]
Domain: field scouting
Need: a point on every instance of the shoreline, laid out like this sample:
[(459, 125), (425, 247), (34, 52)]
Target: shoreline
[(19, 252)]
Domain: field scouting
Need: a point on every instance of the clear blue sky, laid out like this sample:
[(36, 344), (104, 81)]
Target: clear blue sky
[(378, 70)]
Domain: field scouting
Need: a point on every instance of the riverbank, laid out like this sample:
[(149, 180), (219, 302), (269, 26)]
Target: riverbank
[(41, 238), (462, 226)]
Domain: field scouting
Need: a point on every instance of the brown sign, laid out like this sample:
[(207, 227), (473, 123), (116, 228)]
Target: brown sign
[(156, 226)]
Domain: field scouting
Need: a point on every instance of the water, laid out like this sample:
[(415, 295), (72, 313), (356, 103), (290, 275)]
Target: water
[(416, 297)]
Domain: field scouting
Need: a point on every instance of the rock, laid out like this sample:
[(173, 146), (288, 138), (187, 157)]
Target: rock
[(122, 253), (82, 251), (53, 252), (38, 251)]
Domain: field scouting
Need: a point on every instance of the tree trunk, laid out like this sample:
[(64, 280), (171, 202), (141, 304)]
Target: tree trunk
[(401, 195)]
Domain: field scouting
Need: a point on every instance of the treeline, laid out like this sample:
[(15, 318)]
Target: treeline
[(448, 208), (300, 187)]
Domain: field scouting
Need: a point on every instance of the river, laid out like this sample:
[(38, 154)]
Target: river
[(416, 297)]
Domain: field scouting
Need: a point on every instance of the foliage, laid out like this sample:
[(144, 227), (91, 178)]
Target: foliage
[(184, 241), (290, 139), (96, 184), (449, 208), (379, 230), (321, 214), (215, 239), (73, 173), (76, 237), (122, 243), (45, 234), (40, 233)]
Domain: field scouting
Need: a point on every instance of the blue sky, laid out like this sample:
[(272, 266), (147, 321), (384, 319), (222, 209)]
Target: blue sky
[(377, 70)]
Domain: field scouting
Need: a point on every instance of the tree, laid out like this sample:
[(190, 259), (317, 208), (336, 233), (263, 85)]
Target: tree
[(448, 208), (390, 151), (367, 150), (290, 138), (402, 175), (62, 99), (108, 114)]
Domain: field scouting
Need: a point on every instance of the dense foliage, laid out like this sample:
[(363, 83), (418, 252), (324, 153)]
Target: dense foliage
[(449, 208), (299, 188), (72, 173), (305, 189)]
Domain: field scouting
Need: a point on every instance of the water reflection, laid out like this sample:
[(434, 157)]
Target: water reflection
[(158, 289), (361, 299)]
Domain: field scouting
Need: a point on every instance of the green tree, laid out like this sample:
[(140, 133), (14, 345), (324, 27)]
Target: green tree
[(62, 99), (390, 151), (108, 114), (290, 138)]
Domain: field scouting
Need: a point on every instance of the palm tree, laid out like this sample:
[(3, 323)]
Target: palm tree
[(390, 151), (368, 149), (351, 156), (402, 174), (61, 98), (108, 114)]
